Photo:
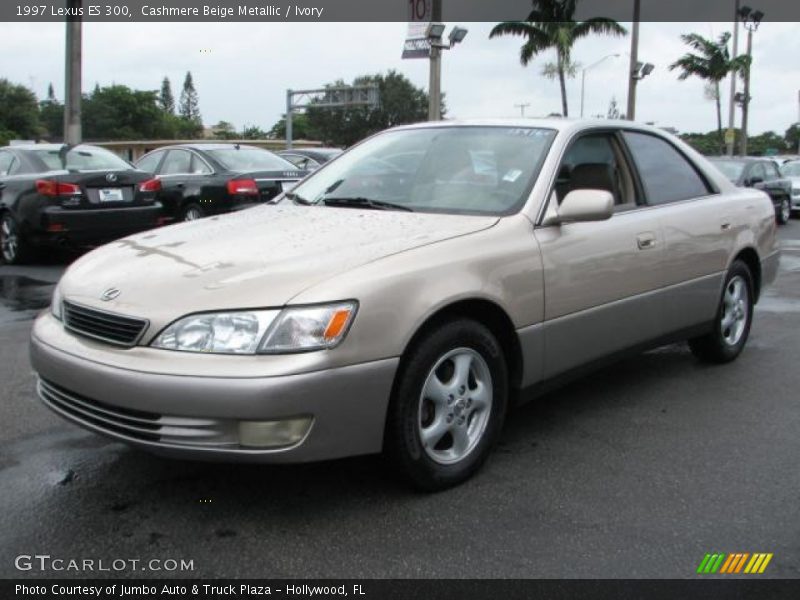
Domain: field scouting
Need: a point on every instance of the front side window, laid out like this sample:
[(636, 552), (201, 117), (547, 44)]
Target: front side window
[(667, 176), (80, 158), (459, 170)]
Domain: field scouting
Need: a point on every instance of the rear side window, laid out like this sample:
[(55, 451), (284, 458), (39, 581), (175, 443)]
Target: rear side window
[(666, 174), (150, 162), (178, 162)]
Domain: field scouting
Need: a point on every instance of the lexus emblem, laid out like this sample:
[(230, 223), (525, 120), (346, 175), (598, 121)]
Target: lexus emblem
[(111, 177), (109, 294)]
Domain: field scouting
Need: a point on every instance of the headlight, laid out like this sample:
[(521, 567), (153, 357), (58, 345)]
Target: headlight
[(265, 331), (224, 333), (56, 304), (309, 328)]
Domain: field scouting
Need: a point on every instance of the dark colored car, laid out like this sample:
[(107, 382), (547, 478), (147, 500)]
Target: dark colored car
[(310, 159), (762, 174), (53, 194), (198, 180)]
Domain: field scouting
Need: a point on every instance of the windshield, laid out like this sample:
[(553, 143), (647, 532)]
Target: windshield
[(250, 159), (465, 170), (732, 169), (791, 169), (81, 158)]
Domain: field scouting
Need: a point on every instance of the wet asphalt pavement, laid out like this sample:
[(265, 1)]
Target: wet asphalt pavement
[(635, 471)]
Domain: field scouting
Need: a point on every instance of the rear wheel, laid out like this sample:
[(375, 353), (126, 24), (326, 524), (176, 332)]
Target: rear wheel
[(734, 316), (192, 212), (784, 212), (448, 406), (14, 247)]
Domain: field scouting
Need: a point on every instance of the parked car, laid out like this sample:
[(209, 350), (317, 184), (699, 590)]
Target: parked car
[(791, 171), (52, 194), (310, 159), (761, 174), (405, 314), (201, 179)]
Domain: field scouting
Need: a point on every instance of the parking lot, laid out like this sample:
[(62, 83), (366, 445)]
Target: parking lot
[(635, 471)]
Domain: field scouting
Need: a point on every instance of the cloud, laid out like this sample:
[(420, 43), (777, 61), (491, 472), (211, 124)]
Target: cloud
[(242, 70)]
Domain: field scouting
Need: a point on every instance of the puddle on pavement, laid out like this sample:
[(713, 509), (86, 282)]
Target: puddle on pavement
[(21, 297)]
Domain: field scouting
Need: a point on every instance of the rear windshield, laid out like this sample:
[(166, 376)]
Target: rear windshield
[(791, 169), (250, 159), (732, 169), (81, 158)]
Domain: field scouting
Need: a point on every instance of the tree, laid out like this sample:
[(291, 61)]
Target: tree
[(613, 109), (117, 112), (253, 132), (792, 137), (224, 131), (189, 109), (51, 116), (400, 102), (165, 98), (19, 112), (712, 63), (551, 25)]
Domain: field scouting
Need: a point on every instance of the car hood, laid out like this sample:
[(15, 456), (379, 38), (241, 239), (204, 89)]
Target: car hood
[(260, 257)]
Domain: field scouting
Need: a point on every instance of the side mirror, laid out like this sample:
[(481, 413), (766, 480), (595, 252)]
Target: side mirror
[(586, 205)]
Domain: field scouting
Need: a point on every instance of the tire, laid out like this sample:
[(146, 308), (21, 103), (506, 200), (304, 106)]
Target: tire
[(192, 212), (448, 405), (784, 212), (732, 323), (14, 247)]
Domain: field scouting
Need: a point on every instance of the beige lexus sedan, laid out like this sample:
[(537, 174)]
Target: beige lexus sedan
[(402, 296)]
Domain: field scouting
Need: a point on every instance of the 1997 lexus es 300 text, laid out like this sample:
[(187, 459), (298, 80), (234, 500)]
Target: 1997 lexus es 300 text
[(401, 295)]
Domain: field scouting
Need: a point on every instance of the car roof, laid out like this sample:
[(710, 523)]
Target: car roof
[(47, 147), (557, 123), (210, 146)]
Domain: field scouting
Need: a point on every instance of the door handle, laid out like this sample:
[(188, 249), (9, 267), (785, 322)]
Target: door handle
[(646, 241)]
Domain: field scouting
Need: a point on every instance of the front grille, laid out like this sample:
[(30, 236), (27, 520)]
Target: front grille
[(137, 424), (108, 327)]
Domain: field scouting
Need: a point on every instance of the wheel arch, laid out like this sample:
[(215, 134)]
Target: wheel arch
[(749, 256)]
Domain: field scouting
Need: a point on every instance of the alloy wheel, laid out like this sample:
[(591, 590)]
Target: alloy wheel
[(735, 310), (9, 242), (786, 211), (192, 214), (455, 405)]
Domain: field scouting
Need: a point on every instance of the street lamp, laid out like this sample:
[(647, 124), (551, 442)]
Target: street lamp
[(583, 76), (434, 33), (751, 19)]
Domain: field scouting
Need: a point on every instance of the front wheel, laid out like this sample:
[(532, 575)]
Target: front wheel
[(784, 212), (448, 405), (732, 324)]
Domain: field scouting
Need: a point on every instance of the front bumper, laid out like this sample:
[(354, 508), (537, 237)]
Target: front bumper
[(196, 416)]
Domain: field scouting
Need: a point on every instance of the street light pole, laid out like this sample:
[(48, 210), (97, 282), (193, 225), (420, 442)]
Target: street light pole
[(632, 72), (732, 102), (522, 108), (746, 99), (72, 76), (583, 76)]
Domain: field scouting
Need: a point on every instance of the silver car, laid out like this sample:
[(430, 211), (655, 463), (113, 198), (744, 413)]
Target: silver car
[(401, 296)]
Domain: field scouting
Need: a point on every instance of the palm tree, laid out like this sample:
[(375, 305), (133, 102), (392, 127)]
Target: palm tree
[(713, 63), (551, 25)]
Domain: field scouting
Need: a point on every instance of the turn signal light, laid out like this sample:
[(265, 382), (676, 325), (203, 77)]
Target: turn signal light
[(48, 187), (242, 187), (151, 185)]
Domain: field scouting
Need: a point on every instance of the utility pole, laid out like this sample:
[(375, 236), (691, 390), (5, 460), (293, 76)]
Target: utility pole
[(632, 72), (435, 73), (522, 108), (72, 75), (732, 102), (289, 109)]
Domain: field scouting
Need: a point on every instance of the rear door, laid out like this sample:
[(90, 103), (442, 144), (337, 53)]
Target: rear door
[(699, 226), (601, 277)]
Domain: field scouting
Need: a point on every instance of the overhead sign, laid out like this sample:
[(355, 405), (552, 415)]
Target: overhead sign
[(419, 16)]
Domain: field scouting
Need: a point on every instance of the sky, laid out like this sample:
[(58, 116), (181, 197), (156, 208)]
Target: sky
[(242, 70)]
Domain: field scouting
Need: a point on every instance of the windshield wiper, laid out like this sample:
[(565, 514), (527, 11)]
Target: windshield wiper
[(358, 202), (296, 199)]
